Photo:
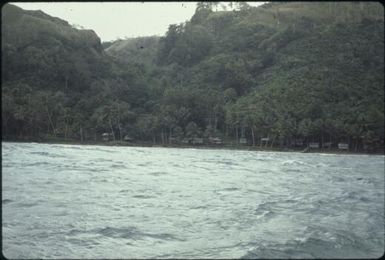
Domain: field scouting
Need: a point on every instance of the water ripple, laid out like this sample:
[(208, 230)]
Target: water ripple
[(73, 201)]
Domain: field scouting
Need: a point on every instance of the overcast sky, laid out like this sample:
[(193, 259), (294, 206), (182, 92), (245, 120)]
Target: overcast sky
[(121, 19)]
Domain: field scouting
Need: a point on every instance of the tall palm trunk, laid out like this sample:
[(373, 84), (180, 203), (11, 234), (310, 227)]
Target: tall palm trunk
[(65, 129), (170, 135), (252, 135), (112, 129), (120, 130), (50, 121), (119, 126), (272, 141), (267, 142), (162, 136), (81, 134)]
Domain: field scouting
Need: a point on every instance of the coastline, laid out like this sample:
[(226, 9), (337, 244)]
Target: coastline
[(218, 147)]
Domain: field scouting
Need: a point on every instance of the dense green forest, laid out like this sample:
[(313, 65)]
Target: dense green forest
[(292, 72)]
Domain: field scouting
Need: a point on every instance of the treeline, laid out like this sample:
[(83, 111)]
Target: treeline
[(282, 71)]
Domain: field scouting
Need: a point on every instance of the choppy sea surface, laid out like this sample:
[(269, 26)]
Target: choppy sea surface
[(79, 201)]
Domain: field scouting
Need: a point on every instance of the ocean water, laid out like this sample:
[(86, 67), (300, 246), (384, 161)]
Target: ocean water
[(80, 201)]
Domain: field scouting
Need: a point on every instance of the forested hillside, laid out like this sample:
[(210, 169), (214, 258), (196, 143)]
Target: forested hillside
[(286, 71)]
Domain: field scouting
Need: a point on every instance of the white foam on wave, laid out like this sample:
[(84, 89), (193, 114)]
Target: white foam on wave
[(294, 162)]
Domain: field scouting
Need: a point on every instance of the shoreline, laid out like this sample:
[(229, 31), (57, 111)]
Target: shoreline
[(213, 147)]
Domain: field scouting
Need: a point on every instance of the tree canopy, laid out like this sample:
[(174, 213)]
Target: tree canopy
[(284, 71)]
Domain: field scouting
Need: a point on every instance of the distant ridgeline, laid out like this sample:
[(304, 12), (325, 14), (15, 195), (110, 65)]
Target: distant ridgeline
[(283, 74)]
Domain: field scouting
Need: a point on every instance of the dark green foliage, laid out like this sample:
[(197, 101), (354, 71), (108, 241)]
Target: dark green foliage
[(284, 71)]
